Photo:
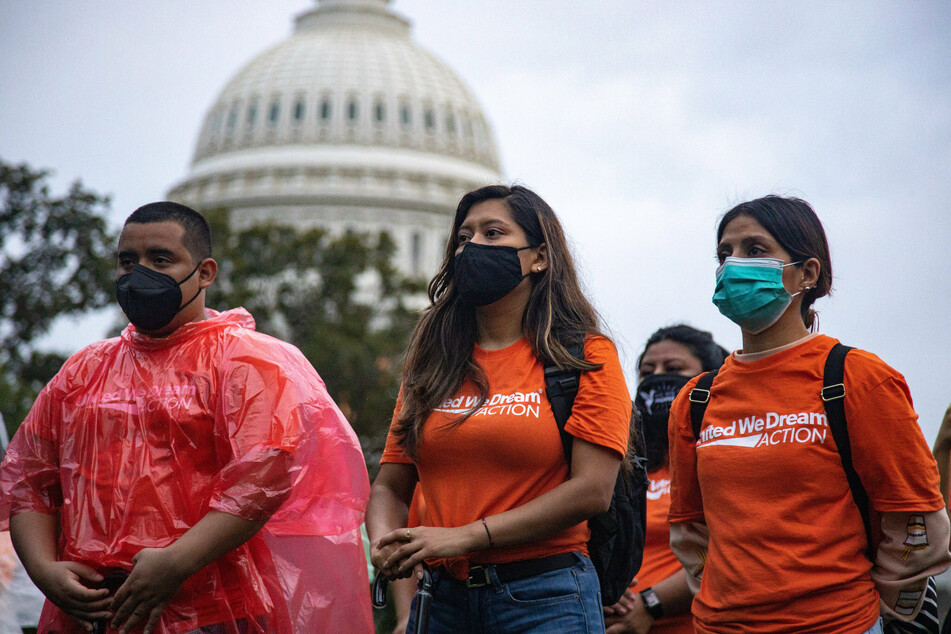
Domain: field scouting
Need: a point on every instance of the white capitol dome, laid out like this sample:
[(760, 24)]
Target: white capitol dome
[(348, 123)]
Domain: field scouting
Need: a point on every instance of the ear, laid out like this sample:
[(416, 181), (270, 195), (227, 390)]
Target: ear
[(207, 272), (810, 273), (540, 259)]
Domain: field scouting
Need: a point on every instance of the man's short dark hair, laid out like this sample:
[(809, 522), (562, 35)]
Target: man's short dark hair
[(197, 237)]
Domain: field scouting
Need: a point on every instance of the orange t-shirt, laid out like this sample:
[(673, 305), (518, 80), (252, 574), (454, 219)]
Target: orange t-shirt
[(509, 452), (659, 560), (787, 544)]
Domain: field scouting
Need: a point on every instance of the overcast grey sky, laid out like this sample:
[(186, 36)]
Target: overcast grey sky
[(639, 122)]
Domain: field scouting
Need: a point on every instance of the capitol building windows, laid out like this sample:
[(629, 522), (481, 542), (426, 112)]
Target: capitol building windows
[(347, 124)]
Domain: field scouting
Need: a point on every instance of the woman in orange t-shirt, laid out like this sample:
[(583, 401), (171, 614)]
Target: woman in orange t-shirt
[(659, 599), (506, 515), (762, 515)]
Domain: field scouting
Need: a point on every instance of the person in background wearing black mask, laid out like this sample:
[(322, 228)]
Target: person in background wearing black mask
[(170, 478), (506, 515), (659, 600)]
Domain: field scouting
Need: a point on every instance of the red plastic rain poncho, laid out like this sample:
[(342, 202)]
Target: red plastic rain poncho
[(136, 439)]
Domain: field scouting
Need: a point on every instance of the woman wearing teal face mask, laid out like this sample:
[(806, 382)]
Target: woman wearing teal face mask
[(763, 514)]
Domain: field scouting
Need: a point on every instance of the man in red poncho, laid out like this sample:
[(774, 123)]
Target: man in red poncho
[(191, 475)]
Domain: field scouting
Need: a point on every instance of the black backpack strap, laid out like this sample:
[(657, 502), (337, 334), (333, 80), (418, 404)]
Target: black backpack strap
[(833, 396), (561, 387), (699, 399)]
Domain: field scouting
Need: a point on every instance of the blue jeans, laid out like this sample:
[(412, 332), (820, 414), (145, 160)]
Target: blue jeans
[(563, 600), (875, 629)]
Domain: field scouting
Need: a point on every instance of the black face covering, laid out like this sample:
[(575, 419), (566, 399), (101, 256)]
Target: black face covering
[(486, 273), (654, 396), (151, 299)]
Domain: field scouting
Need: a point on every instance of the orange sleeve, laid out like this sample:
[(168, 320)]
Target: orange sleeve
[(686, 502), (601, 413), (392, 452), (886, 439)]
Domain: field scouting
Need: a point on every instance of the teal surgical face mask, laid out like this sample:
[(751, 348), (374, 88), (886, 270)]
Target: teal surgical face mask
[(750, 292)]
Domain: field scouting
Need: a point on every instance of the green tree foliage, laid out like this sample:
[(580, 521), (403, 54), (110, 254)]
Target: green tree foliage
[(55, 260), (337, 298)]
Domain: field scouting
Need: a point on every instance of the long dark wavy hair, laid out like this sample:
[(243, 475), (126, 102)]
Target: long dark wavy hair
[(439, 358)]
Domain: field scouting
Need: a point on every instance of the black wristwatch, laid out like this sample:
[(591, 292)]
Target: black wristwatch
[(652, 603)]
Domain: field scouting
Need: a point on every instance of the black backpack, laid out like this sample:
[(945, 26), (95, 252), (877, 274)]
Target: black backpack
[(833, 397), (616, 546)]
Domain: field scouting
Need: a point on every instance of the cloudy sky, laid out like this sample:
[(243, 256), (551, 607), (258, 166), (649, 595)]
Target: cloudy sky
[(639, 122)]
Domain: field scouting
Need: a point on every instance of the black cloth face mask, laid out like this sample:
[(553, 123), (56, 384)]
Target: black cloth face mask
[(485, 273), (654, 396), (151, 299)]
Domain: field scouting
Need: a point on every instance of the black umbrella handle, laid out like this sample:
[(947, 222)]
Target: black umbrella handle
[(112, 580), (379, 590), (424, 598)]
